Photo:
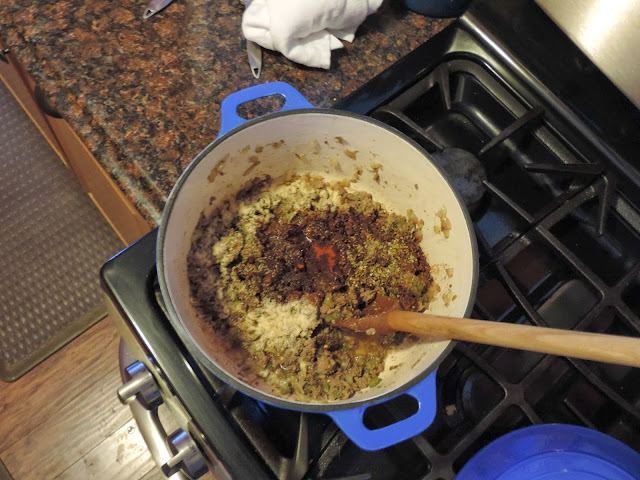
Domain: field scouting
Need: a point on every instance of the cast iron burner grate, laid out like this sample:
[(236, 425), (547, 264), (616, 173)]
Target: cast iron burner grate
[(546, 259), (556, 212), (553, 252)]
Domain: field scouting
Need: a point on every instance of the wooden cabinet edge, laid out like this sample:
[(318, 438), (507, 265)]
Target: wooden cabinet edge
[(21, 87), (127, 222)]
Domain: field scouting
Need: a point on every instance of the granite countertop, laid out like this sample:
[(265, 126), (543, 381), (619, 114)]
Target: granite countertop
[(144, 95)]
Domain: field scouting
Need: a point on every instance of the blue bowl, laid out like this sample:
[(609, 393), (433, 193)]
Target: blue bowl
[(554, 452)]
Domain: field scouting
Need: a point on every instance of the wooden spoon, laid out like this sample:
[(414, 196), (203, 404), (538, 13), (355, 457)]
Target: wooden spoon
[(570, 343)]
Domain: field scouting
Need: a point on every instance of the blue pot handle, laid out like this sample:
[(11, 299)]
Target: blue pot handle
[(229, 118), (350, 421)]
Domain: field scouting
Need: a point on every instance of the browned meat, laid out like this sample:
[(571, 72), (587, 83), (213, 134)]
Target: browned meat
[(275, 265)]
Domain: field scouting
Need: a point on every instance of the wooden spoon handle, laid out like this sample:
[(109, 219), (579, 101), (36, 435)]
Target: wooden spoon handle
[(570, 343)]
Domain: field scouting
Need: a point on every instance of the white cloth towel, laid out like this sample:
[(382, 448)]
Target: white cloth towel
[(305, 31)]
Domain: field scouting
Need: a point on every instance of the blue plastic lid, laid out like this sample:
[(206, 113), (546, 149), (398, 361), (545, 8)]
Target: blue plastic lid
[(554, 452)]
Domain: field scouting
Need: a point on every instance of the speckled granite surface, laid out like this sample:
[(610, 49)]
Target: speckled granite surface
[(144, 95)]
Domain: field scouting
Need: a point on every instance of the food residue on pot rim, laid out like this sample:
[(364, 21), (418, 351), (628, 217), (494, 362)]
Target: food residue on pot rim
[(442, 274), (419, 359), (217, 169), (375, 168), (443, 224), (352, 154), (254, 161)]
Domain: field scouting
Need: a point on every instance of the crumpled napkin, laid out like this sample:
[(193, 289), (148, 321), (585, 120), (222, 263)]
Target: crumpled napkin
[(305, 31)]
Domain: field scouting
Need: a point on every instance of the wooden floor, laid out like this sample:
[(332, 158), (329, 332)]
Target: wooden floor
[(63, 419)]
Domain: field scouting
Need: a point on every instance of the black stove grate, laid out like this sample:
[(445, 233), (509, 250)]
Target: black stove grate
[(541, 232), (555, 265), (556, 214)]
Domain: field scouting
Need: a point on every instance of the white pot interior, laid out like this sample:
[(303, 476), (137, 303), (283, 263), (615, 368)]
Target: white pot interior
[(408, 180)]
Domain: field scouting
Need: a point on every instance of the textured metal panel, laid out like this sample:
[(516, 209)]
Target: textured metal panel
[(53, 241), (608, 33)]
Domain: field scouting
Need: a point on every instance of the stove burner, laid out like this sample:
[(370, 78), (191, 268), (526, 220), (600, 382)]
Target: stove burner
[(541, 187), (468, 394), (465, 172)]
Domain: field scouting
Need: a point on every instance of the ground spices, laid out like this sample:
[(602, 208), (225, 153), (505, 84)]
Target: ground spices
[(275, 265)]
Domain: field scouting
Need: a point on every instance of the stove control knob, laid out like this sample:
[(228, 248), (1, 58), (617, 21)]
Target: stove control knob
[(187, 456), (141, 385)]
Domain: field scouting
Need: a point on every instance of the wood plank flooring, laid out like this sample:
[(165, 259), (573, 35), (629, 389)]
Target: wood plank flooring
[(63, 420)]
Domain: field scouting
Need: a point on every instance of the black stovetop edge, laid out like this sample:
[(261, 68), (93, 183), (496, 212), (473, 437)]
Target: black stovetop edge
[(122, 283)]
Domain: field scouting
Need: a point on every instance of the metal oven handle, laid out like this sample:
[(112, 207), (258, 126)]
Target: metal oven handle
[(154, 436), (148, 420)]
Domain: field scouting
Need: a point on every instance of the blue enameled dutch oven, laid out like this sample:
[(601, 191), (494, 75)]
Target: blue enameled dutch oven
[(409, 179)]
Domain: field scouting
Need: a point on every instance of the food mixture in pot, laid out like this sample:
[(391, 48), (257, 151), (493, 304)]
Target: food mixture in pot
[(274, 266)]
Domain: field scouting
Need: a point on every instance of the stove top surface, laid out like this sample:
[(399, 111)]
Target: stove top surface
[(555, 210)]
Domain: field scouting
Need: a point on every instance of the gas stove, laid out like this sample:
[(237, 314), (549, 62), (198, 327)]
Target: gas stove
[(555, 201)]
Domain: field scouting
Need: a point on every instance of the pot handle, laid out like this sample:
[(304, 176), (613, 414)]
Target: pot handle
[(229, 118), (350, 421)]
